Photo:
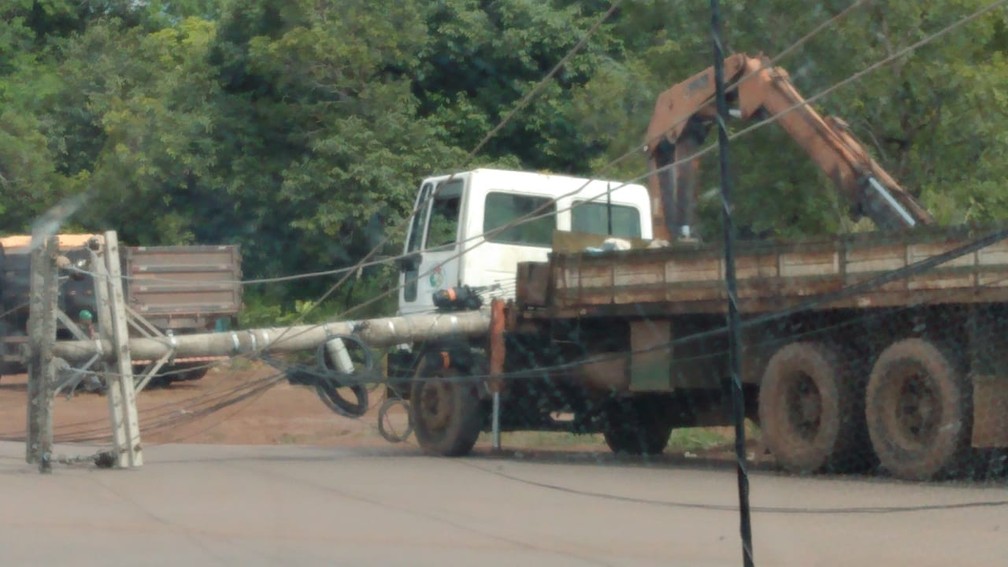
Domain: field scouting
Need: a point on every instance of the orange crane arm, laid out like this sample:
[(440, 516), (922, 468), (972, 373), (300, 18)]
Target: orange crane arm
[(684, 113)]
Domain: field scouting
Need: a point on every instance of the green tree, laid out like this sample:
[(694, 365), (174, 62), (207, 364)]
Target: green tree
[(130, 122), (484, 57), (28, 178), (324, 143)]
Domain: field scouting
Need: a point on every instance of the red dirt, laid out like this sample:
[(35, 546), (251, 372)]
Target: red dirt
[(283, 414)]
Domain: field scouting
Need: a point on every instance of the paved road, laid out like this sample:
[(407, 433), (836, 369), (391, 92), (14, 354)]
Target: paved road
[(213, 505)]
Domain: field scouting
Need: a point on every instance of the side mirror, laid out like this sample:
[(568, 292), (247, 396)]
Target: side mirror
[(408, 263)]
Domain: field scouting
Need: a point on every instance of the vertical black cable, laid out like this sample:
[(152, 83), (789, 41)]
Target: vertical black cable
[(735, 332), (608, 199)]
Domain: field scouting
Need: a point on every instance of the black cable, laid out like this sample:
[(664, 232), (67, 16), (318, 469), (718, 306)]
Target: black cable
[(785, 510), (813, 302), (168, 413), (541, 210), (731, 285), (328, 379), (176, 418)]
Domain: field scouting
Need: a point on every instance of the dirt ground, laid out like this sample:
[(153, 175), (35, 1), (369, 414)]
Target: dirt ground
[(282, 415)]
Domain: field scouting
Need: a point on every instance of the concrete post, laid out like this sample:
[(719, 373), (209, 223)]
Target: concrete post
[(42, 335)]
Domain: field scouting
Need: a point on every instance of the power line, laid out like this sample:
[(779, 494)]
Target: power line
[(877, 65), (545, 80), (539, 212), (524, 102), (783, 510), (856, 76), (917, 45), (239, 391), (731, 290), (766, 318)]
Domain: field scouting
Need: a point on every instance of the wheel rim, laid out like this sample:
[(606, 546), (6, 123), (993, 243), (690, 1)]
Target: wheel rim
[(917, 409), (804, 406), (436, 404)]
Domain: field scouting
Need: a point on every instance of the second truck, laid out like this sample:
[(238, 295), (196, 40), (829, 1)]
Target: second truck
[(175, 289)]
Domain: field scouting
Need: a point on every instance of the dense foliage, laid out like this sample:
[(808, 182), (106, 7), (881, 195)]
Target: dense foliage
[(300, 129)]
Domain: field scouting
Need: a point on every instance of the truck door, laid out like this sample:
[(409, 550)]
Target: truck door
[(434, 241)]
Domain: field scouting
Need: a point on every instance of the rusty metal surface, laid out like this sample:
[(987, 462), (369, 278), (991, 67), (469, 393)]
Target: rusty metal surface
[(183, 286), (66, 241), (990, 411), (605, 372), (533, 283), (496, 344), (773, 277), (650, 355)]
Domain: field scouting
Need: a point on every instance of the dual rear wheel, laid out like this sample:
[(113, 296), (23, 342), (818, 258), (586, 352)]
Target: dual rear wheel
[(919, 411), (912, 414), (811, 410)]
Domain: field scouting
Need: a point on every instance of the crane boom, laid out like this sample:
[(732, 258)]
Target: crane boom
[(684, 113)]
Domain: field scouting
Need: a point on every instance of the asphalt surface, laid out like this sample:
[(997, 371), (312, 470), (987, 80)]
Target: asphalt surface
[(250, 505)]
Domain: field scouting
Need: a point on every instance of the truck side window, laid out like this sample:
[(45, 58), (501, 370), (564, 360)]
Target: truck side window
[(593, 217), (442, 229), (501, 209)]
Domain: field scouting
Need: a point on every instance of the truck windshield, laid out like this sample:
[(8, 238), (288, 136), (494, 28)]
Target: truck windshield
[(503, 209), (593, 217)]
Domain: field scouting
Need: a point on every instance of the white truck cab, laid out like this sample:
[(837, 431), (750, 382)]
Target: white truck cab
[(464, 231)]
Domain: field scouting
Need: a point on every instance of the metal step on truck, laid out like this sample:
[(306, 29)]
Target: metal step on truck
[(882, 348), (175, 289)]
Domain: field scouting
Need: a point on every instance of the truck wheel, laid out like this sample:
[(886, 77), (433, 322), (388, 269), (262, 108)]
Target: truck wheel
[(810, 410), (919, 411), (637, 428), (446, 412)]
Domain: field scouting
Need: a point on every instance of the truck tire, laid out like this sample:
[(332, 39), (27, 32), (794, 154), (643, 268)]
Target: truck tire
[(446, 412), (919, 411), (810, 410), (636, 427)]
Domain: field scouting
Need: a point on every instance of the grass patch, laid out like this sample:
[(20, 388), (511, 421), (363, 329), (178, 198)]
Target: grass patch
[(684, 440), (544, 439), (697, 439)]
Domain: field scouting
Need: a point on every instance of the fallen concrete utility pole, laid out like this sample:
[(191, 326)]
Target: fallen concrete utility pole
[(114, 344), (373, 332)]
